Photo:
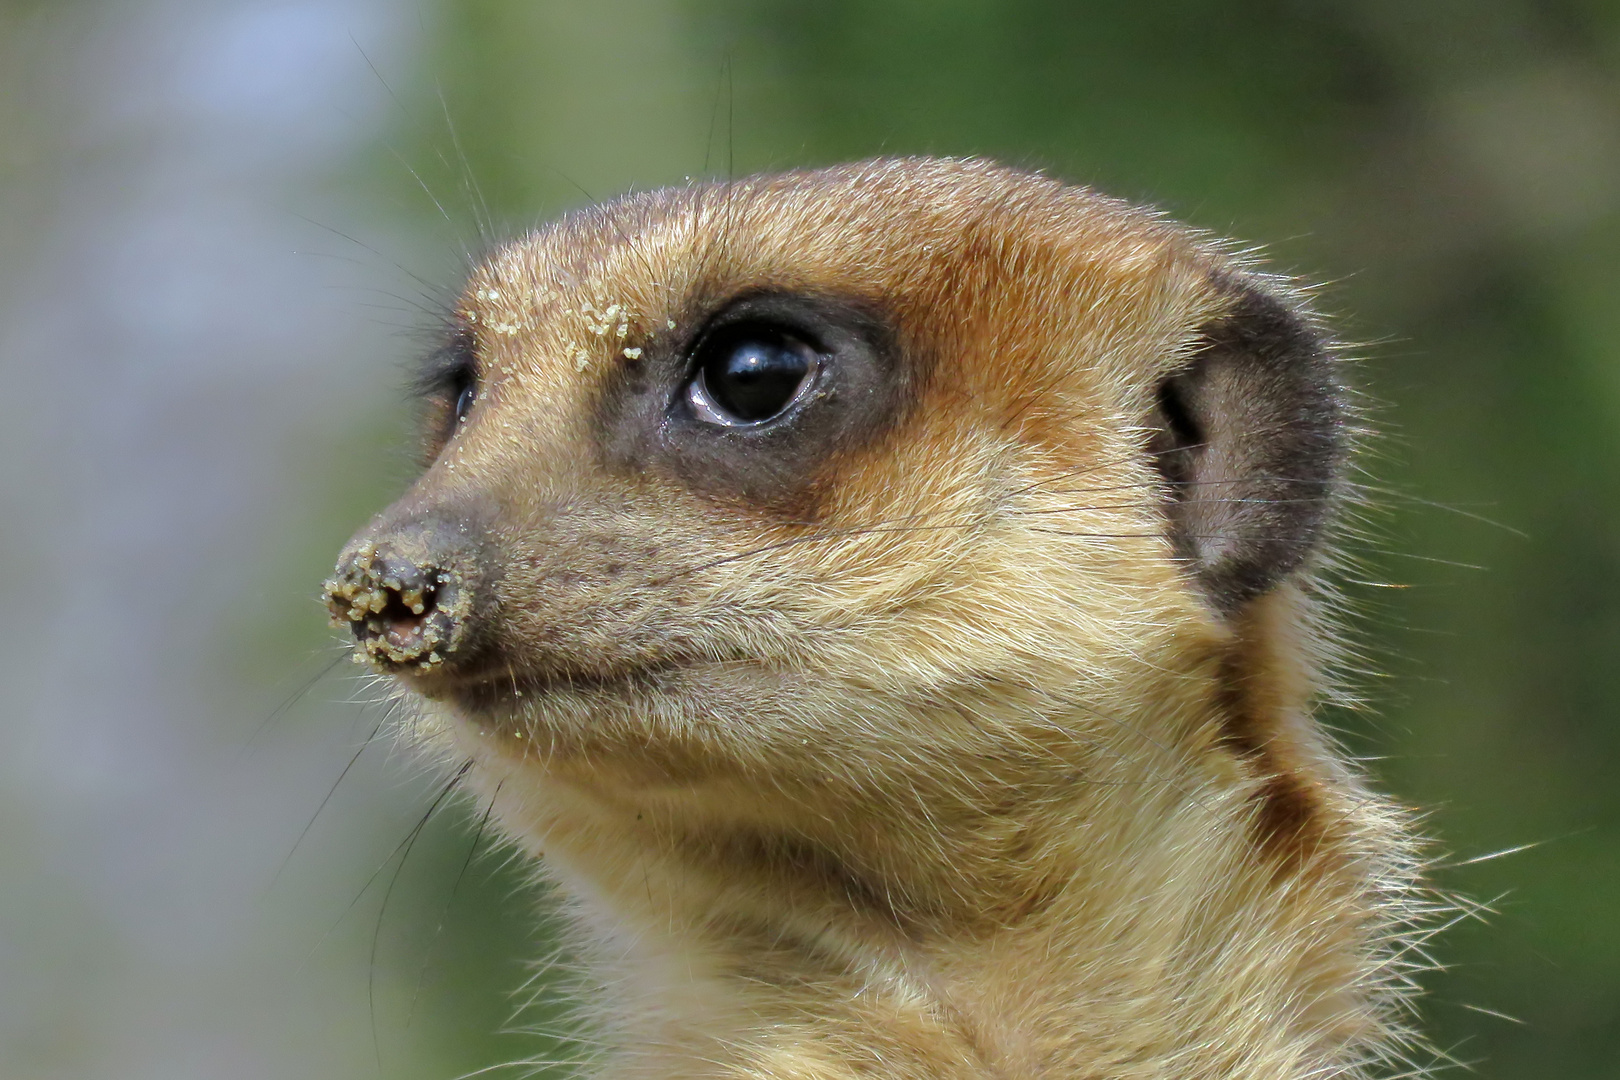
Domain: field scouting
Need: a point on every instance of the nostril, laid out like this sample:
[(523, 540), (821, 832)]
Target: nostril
[(410, 597), (402, 611)]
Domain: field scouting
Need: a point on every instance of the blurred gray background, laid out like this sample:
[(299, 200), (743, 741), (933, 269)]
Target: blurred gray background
[(226, 228)]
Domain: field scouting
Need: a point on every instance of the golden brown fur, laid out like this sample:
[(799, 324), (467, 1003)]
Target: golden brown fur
[(923, 750)]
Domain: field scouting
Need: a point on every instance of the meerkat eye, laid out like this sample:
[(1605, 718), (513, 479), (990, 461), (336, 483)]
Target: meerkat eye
[(466, 391), (750, 374), (447, 386)]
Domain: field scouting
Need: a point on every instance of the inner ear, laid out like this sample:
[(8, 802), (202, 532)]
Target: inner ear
[(1251, 437)]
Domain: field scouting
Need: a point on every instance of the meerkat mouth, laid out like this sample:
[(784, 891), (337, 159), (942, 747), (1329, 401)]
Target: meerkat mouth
[(504, 691)]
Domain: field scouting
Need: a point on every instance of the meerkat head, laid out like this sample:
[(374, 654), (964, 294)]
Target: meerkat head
[(895, 484), (881, 593)]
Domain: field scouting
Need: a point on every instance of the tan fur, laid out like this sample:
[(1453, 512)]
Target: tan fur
[(940, 766)]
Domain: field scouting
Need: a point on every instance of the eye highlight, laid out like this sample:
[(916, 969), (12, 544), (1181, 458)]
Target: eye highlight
[(750, 374)]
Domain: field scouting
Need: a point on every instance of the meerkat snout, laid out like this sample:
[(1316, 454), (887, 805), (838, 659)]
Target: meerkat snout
[(407, 590)]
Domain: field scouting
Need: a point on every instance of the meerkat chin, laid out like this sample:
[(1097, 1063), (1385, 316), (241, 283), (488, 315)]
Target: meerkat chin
[(882, 599)]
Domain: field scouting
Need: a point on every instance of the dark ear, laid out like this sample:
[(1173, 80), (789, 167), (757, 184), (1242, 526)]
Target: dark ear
[(1251, 435)]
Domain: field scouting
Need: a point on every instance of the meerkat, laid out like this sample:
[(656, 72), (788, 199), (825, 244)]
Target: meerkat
[(883, 599)]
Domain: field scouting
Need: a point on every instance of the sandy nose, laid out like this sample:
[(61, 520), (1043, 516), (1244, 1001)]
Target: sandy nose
[(407, 598)]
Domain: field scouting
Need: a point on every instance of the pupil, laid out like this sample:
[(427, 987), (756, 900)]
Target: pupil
[(464, 401), (755, 379)]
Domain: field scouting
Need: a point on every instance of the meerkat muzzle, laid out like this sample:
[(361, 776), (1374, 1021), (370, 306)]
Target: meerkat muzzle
[(407, 600)]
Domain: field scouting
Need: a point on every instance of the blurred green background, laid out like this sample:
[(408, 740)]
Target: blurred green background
[(226, 228)]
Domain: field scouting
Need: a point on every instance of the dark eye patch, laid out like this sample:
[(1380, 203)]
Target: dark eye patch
[(755, 403)]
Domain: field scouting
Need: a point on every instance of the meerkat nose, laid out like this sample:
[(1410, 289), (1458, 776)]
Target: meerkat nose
[(406, 593)]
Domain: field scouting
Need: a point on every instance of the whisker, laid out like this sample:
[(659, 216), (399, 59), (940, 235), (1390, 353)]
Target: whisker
[(714, 114), (1081, 470), (408, 844), (483, 219), (310, 824), (427, 958), (288, 702), (432, 289)]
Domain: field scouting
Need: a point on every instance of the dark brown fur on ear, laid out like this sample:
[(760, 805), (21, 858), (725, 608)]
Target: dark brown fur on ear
[(1252, 436)]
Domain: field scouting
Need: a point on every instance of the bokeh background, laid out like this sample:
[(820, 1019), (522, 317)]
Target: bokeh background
[(226, 227)]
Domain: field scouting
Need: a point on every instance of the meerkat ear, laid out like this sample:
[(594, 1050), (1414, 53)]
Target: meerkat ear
[(1251, 435)]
